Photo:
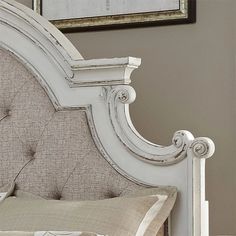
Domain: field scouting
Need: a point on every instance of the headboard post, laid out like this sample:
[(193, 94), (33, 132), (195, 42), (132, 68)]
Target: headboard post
[(200, 150)]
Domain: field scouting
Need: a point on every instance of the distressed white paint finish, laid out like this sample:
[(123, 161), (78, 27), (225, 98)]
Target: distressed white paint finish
[(100, 87), (69, 9)]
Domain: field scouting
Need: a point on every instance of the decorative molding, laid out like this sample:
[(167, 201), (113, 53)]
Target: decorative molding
[(118, 98), (104, 153), (104, 72)]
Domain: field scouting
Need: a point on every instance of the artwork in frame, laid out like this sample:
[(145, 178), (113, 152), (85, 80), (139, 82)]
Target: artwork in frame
[(82, 15)]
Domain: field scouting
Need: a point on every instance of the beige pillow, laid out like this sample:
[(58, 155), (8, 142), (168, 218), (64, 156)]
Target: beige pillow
[(14, 233), (138, 214)]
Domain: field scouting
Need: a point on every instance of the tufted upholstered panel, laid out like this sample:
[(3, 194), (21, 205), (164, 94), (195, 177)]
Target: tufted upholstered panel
[(53, 149)]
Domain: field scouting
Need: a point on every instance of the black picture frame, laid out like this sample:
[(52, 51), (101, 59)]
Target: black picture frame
[(186, 15)]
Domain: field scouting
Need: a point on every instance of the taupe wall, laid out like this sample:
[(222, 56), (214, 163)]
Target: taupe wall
[(187, 81)]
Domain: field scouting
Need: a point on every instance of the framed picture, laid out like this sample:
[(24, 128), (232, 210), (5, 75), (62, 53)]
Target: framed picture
[(82, 15)]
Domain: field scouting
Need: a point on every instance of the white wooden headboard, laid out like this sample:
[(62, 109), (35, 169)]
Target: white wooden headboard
[(101, 87)]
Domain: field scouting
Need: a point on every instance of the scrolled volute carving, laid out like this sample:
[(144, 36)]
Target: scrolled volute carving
[(118, 97), (125, 94), (181, 138), (202, 147)]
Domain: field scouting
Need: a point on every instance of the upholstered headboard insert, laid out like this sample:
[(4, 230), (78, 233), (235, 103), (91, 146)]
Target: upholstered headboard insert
[(50, 153)]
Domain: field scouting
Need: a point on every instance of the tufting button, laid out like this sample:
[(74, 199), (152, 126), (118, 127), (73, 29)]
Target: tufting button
[(8, 112), (111, 195), (31, 154)]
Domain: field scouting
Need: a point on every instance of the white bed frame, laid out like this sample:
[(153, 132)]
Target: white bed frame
[(101, 87)]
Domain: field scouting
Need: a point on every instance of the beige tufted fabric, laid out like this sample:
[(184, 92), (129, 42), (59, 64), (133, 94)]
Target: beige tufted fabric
[(55, 148)]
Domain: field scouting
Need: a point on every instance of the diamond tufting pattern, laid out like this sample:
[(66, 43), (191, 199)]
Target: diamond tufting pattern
[(50, 153)]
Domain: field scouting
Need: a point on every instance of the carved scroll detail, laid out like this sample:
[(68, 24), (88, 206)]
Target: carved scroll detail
[(202, 147), (118, 99)]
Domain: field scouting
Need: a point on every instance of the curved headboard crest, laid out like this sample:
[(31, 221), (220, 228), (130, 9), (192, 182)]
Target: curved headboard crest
[(101, 88)]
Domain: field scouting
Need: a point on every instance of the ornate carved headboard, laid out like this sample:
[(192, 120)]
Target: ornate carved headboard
[(50, 152), (65, 130)]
